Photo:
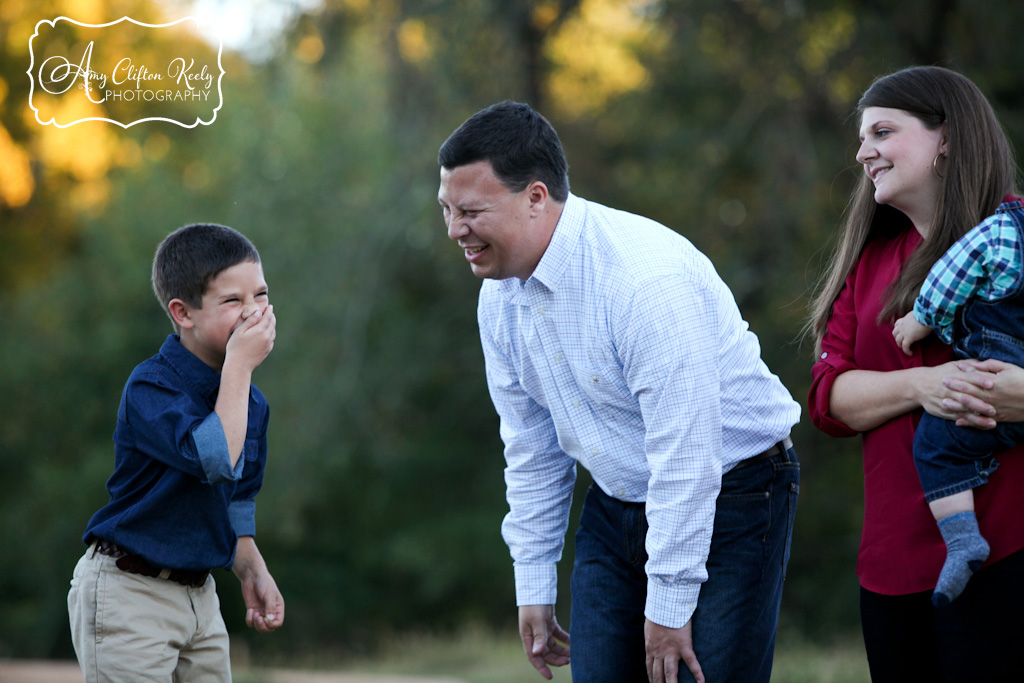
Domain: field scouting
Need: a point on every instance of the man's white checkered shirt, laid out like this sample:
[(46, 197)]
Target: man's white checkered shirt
[(626, 352)]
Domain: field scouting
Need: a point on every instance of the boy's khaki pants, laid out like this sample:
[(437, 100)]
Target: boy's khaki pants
[(127, 627)]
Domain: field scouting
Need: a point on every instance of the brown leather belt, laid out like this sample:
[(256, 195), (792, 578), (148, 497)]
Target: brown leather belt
[(780, 447), (135, 564)]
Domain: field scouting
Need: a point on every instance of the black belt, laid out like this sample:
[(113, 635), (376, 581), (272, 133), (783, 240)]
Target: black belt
[(780, 447), (135, 564)]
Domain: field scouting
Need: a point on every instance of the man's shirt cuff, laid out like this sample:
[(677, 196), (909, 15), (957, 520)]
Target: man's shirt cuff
[(536, 584), (670, 605)]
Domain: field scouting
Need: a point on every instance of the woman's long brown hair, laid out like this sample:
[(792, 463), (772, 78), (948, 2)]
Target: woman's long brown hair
[(979, 171)]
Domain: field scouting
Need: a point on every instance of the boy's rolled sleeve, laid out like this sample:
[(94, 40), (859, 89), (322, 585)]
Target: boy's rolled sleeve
[(212, 449), (242, 514)]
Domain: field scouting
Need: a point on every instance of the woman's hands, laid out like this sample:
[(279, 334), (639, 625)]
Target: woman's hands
[(934, 393), (982, 393), (973, 393), (865, 399)]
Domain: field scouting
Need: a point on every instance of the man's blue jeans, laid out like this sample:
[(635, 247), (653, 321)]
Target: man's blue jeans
[(738, 608)]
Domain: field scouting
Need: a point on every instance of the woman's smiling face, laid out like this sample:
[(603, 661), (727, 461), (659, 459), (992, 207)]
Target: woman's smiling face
[(899, 155)]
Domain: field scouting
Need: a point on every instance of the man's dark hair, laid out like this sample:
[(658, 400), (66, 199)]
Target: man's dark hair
[(520, 144), (191, 256)]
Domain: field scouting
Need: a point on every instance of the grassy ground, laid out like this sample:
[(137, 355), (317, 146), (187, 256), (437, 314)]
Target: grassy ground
[(487, 658), (800, 662)]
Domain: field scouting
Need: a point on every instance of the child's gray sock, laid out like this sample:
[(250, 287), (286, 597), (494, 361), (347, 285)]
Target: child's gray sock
[(966, 550)]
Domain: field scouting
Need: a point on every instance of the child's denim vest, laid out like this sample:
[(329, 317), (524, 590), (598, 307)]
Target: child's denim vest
[(995, 329)]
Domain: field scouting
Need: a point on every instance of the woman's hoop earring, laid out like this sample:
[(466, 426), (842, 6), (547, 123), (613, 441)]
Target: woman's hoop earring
[(935, 165)]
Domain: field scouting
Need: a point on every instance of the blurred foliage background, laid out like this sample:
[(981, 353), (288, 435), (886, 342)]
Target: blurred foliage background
[(727, 120)]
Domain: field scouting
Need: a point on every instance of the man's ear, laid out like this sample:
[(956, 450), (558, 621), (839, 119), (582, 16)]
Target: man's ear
[(539, 197), (180, 314)]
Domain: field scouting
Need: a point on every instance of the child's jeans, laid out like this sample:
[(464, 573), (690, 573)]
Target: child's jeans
[(132, 628), (952, 459)]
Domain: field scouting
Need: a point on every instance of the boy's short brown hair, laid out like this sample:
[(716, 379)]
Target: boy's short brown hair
[(191, 256)]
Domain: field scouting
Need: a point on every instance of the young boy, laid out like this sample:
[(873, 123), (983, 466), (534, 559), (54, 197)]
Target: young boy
[(972, 298), (190, 447)]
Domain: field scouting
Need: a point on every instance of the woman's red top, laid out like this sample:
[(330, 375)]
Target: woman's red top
[(901, 550)]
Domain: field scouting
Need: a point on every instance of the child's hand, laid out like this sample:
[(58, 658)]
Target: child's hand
[(253, 339), (264, 603), (907, 331)]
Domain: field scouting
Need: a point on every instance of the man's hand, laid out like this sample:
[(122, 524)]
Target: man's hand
[(907, 331), (665, 648), (543, 639)]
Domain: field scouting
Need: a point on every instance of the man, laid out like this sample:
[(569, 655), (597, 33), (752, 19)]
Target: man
[(610, 341)]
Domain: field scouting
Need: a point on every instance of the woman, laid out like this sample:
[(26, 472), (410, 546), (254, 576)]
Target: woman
[(936, 162)]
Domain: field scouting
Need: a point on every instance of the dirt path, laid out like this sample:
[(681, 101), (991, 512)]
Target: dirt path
[(23, 671), (19, 671)]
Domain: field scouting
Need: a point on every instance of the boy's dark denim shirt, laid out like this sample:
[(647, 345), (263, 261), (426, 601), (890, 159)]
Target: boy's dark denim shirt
[(174, 497)]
